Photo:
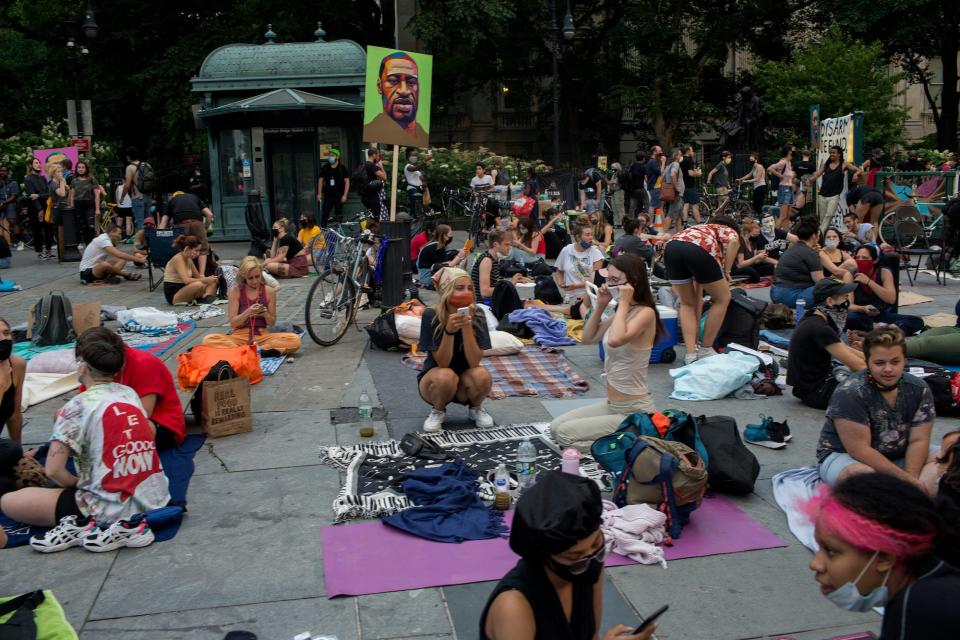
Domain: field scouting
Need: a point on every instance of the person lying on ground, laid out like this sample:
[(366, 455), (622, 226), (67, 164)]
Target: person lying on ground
[(453, 334), (101, 259), (113, 446), (884, 543), (944, 476), (875, 295), (834, 259), (286, 257), (252, 310), (187, 211), (879, 419), (799, 268), (939, 344), (13, 370), (486, 269), (182, 282), (628, 336), (856, 233), (699, 260), (752, 263), (815, 343), (435, 253), (556, 588), (149, 377)]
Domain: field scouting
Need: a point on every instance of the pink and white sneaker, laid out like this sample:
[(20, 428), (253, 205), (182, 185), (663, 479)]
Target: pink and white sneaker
[(123, 533), (70, 532)]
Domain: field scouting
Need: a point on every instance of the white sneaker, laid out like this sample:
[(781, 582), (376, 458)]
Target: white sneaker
[(690, 358), (20, 246), (70, 532), (480, 417), (705, 352), (122, 533), (80, 247), (434, 421)]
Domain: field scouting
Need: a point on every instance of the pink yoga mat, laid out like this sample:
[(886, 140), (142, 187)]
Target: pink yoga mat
[(360, 559)]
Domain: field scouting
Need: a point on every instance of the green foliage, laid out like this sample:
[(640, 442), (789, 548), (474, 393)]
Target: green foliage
[(842, 76), (17, 149)]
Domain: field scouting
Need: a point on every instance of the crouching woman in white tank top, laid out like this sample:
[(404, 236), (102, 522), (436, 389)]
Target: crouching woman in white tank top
[(628, 338)]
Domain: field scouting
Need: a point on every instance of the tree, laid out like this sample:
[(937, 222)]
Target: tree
[(841, 76)]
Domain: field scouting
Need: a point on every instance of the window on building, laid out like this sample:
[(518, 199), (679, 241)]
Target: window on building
[(236, 162)]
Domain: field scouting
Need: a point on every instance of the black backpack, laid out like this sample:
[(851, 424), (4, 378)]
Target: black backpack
[(742, 322), (383, 331), (546, 290), (220, 371), (731, 467), (505, 299), (146, 178), (53, 320)]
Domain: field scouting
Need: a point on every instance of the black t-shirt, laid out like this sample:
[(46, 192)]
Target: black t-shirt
[(333, 178), (686, 166), (808, 361), (186, 206), (292, 244), (430, 337), (431, 253), (804, 168), (795, 266), (637, 176), (773, 246), (925, 610)]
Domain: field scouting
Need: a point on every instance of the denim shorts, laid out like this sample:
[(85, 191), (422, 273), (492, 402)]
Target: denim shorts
[(836, 462), (786, 195)]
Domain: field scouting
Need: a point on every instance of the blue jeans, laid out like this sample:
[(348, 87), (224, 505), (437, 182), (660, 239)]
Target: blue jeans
[(5, 263), (789, 296), (139, 209), (786, 195), (862, 322)]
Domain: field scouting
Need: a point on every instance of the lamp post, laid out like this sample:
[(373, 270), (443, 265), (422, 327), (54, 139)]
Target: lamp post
[(568, 31), (88, 29)]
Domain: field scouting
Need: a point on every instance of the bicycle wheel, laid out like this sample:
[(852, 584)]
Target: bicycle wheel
[(886, 231), (330, 307), (741, 210)]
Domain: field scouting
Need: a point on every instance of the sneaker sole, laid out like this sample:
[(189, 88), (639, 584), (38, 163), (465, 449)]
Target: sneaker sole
[(133, 543), (59, 547), (769, 444)]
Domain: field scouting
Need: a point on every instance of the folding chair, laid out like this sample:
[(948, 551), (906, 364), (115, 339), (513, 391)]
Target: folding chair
[(911, 240), (159, 250)]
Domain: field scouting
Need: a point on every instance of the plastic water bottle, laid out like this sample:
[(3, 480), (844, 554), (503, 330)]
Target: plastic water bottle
[(501, 482), (365, 415), (800, 310), (571, 461), (526, 464)]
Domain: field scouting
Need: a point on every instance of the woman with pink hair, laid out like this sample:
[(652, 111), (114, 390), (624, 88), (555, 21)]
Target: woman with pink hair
[(883, 542)]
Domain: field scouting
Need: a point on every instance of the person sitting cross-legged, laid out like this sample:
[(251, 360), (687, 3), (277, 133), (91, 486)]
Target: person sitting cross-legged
[(182, 282), (101, 259), (453, 333), (878, 420), (112, 443), (875, 294)]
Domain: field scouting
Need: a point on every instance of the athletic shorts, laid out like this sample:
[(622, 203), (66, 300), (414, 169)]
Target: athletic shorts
[(872, 198), (123, 212), (686, 261), (691, 195), (86, 276), (67, 504), (170, 289)]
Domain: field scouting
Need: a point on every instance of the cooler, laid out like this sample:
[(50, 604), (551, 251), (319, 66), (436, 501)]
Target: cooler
[(663, 350)]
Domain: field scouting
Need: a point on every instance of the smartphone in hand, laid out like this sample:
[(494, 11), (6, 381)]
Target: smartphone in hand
[(651, 619)]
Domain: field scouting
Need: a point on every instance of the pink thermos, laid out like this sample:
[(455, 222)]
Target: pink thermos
[(571, 461)]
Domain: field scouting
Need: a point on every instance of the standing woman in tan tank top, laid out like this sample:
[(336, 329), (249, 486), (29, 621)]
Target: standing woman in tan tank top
[(628, 338)]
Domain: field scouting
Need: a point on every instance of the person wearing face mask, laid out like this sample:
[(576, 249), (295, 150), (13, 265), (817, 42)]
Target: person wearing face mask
[(879, 419), (435, 253), (603, 235), (556, 588), (13, 369), (771, 239), (413, 174), (875, 294), (883, 543), (577, 263), (182, 282), (782, 170), (118, 471), (834, 259), (309, 229), (833, 171), (756, 178), (752, 263), (815, 343), (628, 336), (454, 336), (719, 177), (485, 274), (333, 187), (286, 257), (672, 174), (101, 259)]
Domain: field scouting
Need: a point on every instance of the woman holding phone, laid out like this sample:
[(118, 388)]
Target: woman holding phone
[(454, 335)]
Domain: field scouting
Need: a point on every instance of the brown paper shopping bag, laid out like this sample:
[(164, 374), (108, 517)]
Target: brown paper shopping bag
[(225, 407)]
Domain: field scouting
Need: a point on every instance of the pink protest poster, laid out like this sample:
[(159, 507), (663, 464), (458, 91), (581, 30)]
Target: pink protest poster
[(53, 156)]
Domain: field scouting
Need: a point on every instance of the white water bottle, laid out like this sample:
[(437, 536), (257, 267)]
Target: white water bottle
[(800, 310), (365, 415), (526, 464), (501, 479)]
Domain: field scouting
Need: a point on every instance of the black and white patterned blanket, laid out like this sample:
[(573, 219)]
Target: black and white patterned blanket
[(374, 470)]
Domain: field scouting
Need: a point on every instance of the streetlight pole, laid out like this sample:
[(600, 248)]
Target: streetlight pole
[(89, 30), (568, 34)]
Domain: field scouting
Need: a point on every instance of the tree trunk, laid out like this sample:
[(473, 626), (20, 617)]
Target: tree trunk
[(949, 98)]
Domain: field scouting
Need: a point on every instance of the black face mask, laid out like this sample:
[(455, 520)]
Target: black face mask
[(276, 233), (590, 576), (6, 348)]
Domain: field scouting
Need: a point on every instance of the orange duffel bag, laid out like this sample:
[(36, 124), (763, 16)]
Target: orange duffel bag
[(196, 363)]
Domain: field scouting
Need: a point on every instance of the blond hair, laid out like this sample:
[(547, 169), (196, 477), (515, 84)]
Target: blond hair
[(247, 265), (886, 337), (447, 287), (284, 224)]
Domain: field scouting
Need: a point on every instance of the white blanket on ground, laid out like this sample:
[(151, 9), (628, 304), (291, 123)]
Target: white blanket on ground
[(634, 531), (792, 487), (39, 387)]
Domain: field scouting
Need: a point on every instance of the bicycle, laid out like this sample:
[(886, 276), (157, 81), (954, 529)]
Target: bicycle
[(730, 205), (335, 296)]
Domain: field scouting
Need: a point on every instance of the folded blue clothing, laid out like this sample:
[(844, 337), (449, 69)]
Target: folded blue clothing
[(776, 339), (547, 330)]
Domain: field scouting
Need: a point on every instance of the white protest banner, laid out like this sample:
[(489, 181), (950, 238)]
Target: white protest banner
[(837, 132)]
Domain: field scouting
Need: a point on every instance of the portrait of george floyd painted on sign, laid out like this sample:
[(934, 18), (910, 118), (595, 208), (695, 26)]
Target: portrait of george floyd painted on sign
[(397, 101)]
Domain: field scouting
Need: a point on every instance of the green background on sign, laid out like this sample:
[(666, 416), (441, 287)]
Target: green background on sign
[(373, 106)]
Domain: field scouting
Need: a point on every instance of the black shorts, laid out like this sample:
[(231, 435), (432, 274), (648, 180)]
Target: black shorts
[(170, 289), (86, 276), (686, 261), (872, 198), (67, 505), (576, 310), (123, 212)]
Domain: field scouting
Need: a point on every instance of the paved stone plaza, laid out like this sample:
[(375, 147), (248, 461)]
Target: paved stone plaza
[(248, 555)]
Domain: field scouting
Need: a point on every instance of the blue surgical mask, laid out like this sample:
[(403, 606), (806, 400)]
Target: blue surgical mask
[(413, 158), (585, 245), (849, 597), (332, 159)]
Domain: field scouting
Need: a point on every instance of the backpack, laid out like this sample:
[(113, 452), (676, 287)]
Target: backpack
[(219, 371), (383, 331), (146, 178), (359, 179), (672, 425), (741, 324), (505, 299), (53, 320), (669, 476), (546, 290), (732, 467)]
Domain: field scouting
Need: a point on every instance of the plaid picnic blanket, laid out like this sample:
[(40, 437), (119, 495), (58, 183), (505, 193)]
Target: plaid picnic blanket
[(534, 371)]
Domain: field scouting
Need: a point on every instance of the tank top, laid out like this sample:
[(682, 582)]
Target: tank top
[(7, 403), (551, 623), (831, 182), (256, 322), (626, 366), (475, 275)]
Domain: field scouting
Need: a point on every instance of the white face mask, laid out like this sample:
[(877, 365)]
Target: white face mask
[(767, 227), (849, 597), (831, 243), (614, 291)]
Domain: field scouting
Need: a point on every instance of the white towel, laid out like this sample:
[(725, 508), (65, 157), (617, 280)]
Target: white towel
[(39, 387), (634, 531), (792, 487)]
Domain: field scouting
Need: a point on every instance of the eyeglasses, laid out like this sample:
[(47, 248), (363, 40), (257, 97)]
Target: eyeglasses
[(581, 565)]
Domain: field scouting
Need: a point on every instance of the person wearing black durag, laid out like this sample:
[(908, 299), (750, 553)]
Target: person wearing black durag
[(555, 591)]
